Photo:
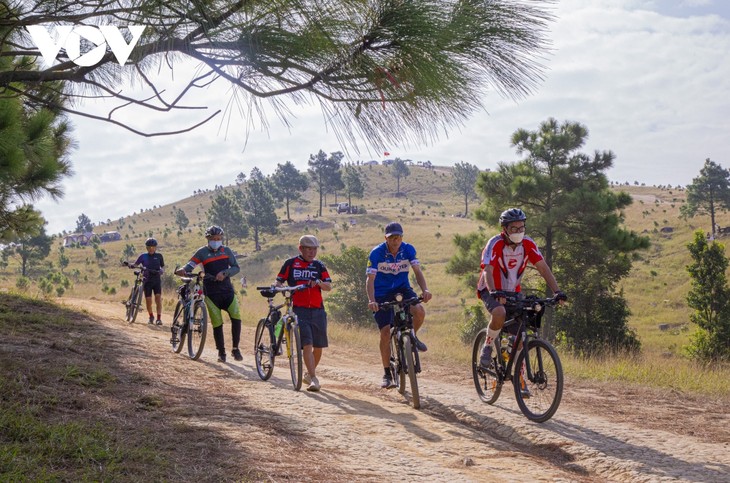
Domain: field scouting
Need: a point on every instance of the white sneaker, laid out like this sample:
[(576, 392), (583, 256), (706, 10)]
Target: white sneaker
[(313, 385), (306, 379)]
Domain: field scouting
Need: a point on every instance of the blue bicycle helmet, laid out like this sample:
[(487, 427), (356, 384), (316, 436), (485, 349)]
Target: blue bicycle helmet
[(150, 242)]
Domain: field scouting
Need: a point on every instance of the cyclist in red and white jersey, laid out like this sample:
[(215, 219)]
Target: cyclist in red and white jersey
[(504, 260)]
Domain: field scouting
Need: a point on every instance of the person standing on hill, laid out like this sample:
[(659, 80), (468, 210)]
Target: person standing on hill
[(152, 264), (219, 265), (305, 269), (503, 263), (387, 276)]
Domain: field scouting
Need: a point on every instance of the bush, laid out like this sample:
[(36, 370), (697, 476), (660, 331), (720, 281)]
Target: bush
[(22, 283), (474, 320), (348, 301)]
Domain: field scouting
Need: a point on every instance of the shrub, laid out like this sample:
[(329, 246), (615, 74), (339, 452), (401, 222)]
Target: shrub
[(474, 320), (22, 283)]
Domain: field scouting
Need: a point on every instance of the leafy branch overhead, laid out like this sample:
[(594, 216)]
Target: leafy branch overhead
[(389, 70)]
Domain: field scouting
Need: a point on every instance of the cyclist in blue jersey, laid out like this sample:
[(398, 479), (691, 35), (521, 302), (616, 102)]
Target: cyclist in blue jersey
[(387, 275), (219, 264), (152, 264)]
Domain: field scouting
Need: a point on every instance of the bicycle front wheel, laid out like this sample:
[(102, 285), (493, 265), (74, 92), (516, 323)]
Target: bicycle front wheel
[(538, 390), (130, 304), (263, 349), (178, 325), (137, 304), (486, 382), (294, 344), (410, 367), (396, 365), (197, 331)]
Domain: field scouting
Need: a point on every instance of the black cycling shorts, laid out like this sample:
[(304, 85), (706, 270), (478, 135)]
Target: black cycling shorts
[(152, 285)]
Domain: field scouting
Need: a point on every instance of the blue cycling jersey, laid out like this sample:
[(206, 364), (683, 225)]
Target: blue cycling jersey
[(152, 264), (391, 271)]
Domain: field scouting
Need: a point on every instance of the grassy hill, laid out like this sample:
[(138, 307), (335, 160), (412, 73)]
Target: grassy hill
[(655, 289)]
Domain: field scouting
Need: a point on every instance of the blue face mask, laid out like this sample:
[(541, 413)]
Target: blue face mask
[(215, 245)]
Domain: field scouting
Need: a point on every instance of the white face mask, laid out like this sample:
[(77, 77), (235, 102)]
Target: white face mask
[(215, 245), (516, 237)]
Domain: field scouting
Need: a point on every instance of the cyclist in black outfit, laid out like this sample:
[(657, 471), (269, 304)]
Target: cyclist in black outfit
[(152, 264)]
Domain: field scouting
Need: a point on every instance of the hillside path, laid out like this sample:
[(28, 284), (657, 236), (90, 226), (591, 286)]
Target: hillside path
[(353, 430)]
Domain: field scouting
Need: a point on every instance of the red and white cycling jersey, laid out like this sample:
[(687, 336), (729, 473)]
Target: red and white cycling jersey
[(507, 263)]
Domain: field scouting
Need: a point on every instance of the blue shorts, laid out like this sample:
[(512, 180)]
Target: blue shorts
[(384, 318), (312, 326)]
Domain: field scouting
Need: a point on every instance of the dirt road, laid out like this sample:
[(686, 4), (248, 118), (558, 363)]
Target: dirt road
[(353, 430)]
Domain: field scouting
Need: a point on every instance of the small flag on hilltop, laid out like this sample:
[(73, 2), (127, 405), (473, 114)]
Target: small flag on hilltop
[(386, 154)]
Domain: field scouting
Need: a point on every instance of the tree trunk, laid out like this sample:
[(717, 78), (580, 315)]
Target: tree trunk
[(256, 238), (548, 326), (466, 204), (397, 191), (288, 218)]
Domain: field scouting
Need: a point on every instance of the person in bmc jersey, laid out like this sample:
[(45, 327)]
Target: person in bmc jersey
[(152, 264), (387, 275), (219, 266), (504, 260), (305, 269)]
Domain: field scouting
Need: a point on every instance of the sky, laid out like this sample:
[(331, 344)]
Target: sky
[(649, 79)]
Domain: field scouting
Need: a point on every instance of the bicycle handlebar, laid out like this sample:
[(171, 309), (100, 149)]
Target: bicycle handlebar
[(190, 276), (530, 302), (275, 289), (402, 303)]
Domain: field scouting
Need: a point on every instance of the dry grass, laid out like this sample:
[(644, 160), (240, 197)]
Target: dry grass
[(655, 289)]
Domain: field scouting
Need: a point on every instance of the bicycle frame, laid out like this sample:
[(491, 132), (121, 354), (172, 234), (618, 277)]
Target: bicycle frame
[(290, 322), (195, 293), (403, 323), (266, 348), (405, 360), (539, 388)]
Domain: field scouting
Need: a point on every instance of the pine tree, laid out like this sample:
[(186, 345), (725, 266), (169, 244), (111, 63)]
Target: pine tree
[(259, 209), (464, 182), (577, 221), (290, 184), (710, 300), (708, 193)]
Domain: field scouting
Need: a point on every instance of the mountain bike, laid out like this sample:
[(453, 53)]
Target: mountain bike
[(191, 316), (404, 359), (276, 331), (134, 302), (523, 357)]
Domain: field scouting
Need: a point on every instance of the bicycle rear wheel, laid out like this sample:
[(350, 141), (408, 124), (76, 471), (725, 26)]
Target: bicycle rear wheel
[(410, 367), (178, 325), (486, 382), (263, 352), (294, 343), (539, 392), (137, 303), (198, 331)]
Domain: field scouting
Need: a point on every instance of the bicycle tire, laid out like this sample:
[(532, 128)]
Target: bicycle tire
[(137, 304), (177, 340), (410, 367), (546, 388), (486, 381), (294, 344), (396, 365), (197, 331), (262, 350), (129, 304)]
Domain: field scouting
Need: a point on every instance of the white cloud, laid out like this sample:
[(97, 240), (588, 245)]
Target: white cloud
[(650, 85)]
